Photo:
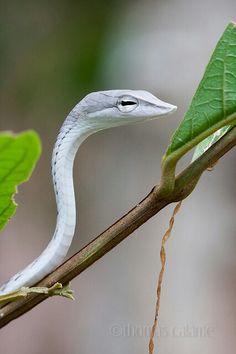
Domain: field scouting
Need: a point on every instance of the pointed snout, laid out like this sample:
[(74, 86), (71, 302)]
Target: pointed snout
[(164, 107), (169, 108)]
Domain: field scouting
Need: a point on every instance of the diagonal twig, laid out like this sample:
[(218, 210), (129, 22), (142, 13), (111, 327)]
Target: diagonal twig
[(185, 182)]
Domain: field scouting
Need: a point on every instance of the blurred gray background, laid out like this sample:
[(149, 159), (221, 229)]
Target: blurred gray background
[(52, 54)]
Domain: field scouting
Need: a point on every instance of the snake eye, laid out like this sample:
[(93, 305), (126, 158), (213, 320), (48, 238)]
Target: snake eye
[(127, 104)]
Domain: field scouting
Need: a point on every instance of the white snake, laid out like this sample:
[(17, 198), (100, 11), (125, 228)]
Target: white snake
[(97, 111)]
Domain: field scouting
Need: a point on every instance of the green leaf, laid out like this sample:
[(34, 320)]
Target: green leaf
[(214, 100), (209, 141), (213, 107), (18, 156)]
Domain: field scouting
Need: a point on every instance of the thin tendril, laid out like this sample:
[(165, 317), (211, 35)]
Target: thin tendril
[(161, 274)]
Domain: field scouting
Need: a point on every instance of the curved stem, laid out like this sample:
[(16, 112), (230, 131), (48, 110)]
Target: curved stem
[(170, 161)]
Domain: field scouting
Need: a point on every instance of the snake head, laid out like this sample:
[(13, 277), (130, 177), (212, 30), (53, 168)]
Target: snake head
[(106, 109)]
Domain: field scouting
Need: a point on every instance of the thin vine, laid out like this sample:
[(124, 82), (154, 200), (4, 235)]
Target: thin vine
[(161, 274)]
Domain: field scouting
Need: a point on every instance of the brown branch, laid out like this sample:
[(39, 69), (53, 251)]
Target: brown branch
[(149, 206)]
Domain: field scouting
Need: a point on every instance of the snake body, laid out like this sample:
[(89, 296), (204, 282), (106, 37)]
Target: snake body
[(97, 111)]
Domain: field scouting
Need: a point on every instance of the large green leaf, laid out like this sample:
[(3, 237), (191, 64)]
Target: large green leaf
[(214, 100), (18, 156)]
